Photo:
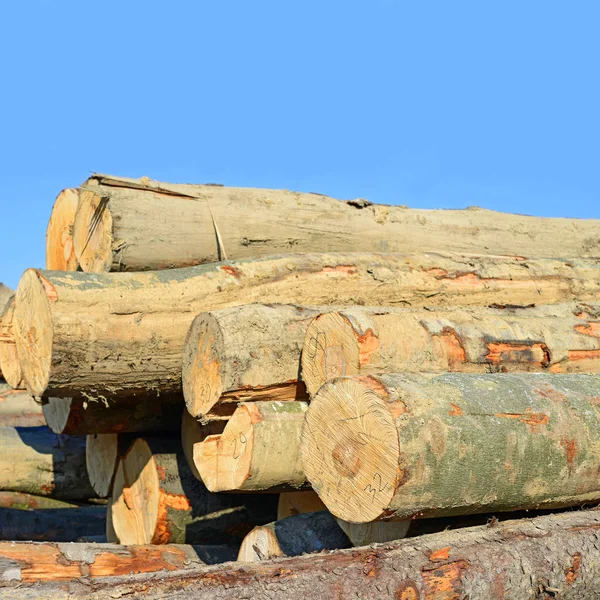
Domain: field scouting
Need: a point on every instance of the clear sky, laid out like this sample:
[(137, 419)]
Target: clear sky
[(427, 104)]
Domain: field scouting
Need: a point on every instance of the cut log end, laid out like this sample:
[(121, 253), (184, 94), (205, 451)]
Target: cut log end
[(93, 233), (354, 471), (101, 455), (203, 378), (259, 545), (60, 254), (331, 349), (10, 367), (32, 328)]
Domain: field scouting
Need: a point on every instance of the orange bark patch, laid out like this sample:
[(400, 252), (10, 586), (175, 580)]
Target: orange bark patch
[(347, 269), (449, 345), (367, 343), (162, 473), (572, 572), (407, 590), (232, 271), (456, 411), (583, 354), (534, 353), (529, 417), (570, 447), (370, 566), (441, 554), (592, 329), (551, 394), (50, 290), (444, 583), (162, 531)]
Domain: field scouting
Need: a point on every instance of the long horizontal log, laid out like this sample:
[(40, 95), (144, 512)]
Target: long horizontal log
[(120, 334), (407, 446), (10, 367), (36, 461), (60, 251), (530, 559), (245, 353), (19, 409), (156, 499), (24, 501), (120, 226), (259, 449), (362, 340)]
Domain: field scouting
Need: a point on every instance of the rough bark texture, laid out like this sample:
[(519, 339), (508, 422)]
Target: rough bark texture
[(60, 252), (245, 353), (120, 226), (302, 534), (406, 446), (539, 559), (19, 409), (10, 368), (376, 340), (52, 524), (156, 499), (47, 562), (259, 449), (101, 414), (37, 461), (116, 334)]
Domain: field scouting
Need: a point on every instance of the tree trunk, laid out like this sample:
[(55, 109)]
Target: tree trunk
[(48, 562), (362, 341), (406, 446), (156, 499), (297, 503), (60, 252), (19, 409), (86, 415), (192, 433), (10, 367), (120, 334), (120, 226), (244, 353), (36, 461), (52, 524), (259, 449)]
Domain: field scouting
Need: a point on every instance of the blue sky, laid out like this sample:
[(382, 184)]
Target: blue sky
[(428, 104)]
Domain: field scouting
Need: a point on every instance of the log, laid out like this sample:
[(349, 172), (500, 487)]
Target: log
[(24, 501), (19, 409), (9, 361), (547, 557), (120, 334), (245, 353), (193, 432), (52, 562), (102, 414), (52, 524), (360, 340), (258, 450), (407, 446), (156, 499), (5, 295), (302, 534), (120, 226), (60, 252), (37, 461), (297, 503)]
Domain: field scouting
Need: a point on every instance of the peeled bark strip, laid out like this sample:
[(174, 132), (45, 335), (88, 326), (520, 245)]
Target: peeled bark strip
[(302, 534), (37, 461), (156, 499), (259, 449), (144, 413), (52, 524), (60, 252), (192, 433), (406, 446), (48, 562), (118, 334), (245, 353), (120, 226), (19, 409), (370, 340), (297, 503), (9, 361)]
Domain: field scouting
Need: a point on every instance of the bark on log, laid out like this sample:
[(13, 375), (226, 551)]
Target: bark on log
[(193, 432), (120, 226), (37, 461), (297, 503), (52, 562), (143, 413), (60, 252), (258, 450), (406, 446), (118, 334), (24, 501), (245, 353), (156, 499), (361, 341), (10, 367), (537, 559), (19, 409), (52, 524)]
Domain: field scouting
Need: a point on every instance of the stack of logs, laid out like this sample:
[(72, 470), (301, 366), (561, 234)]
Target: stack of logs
[(204, 374)]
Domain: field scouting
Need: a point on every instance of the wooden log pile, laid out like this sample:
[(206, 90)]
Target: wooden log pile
[(277, 374)]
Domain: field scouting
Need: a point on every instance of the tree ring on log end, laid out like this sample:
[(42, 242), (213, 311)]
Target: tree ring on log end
[(330, 350), (350, 449), (135, 497), (60, 253), (93, 233), (33, 331)]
